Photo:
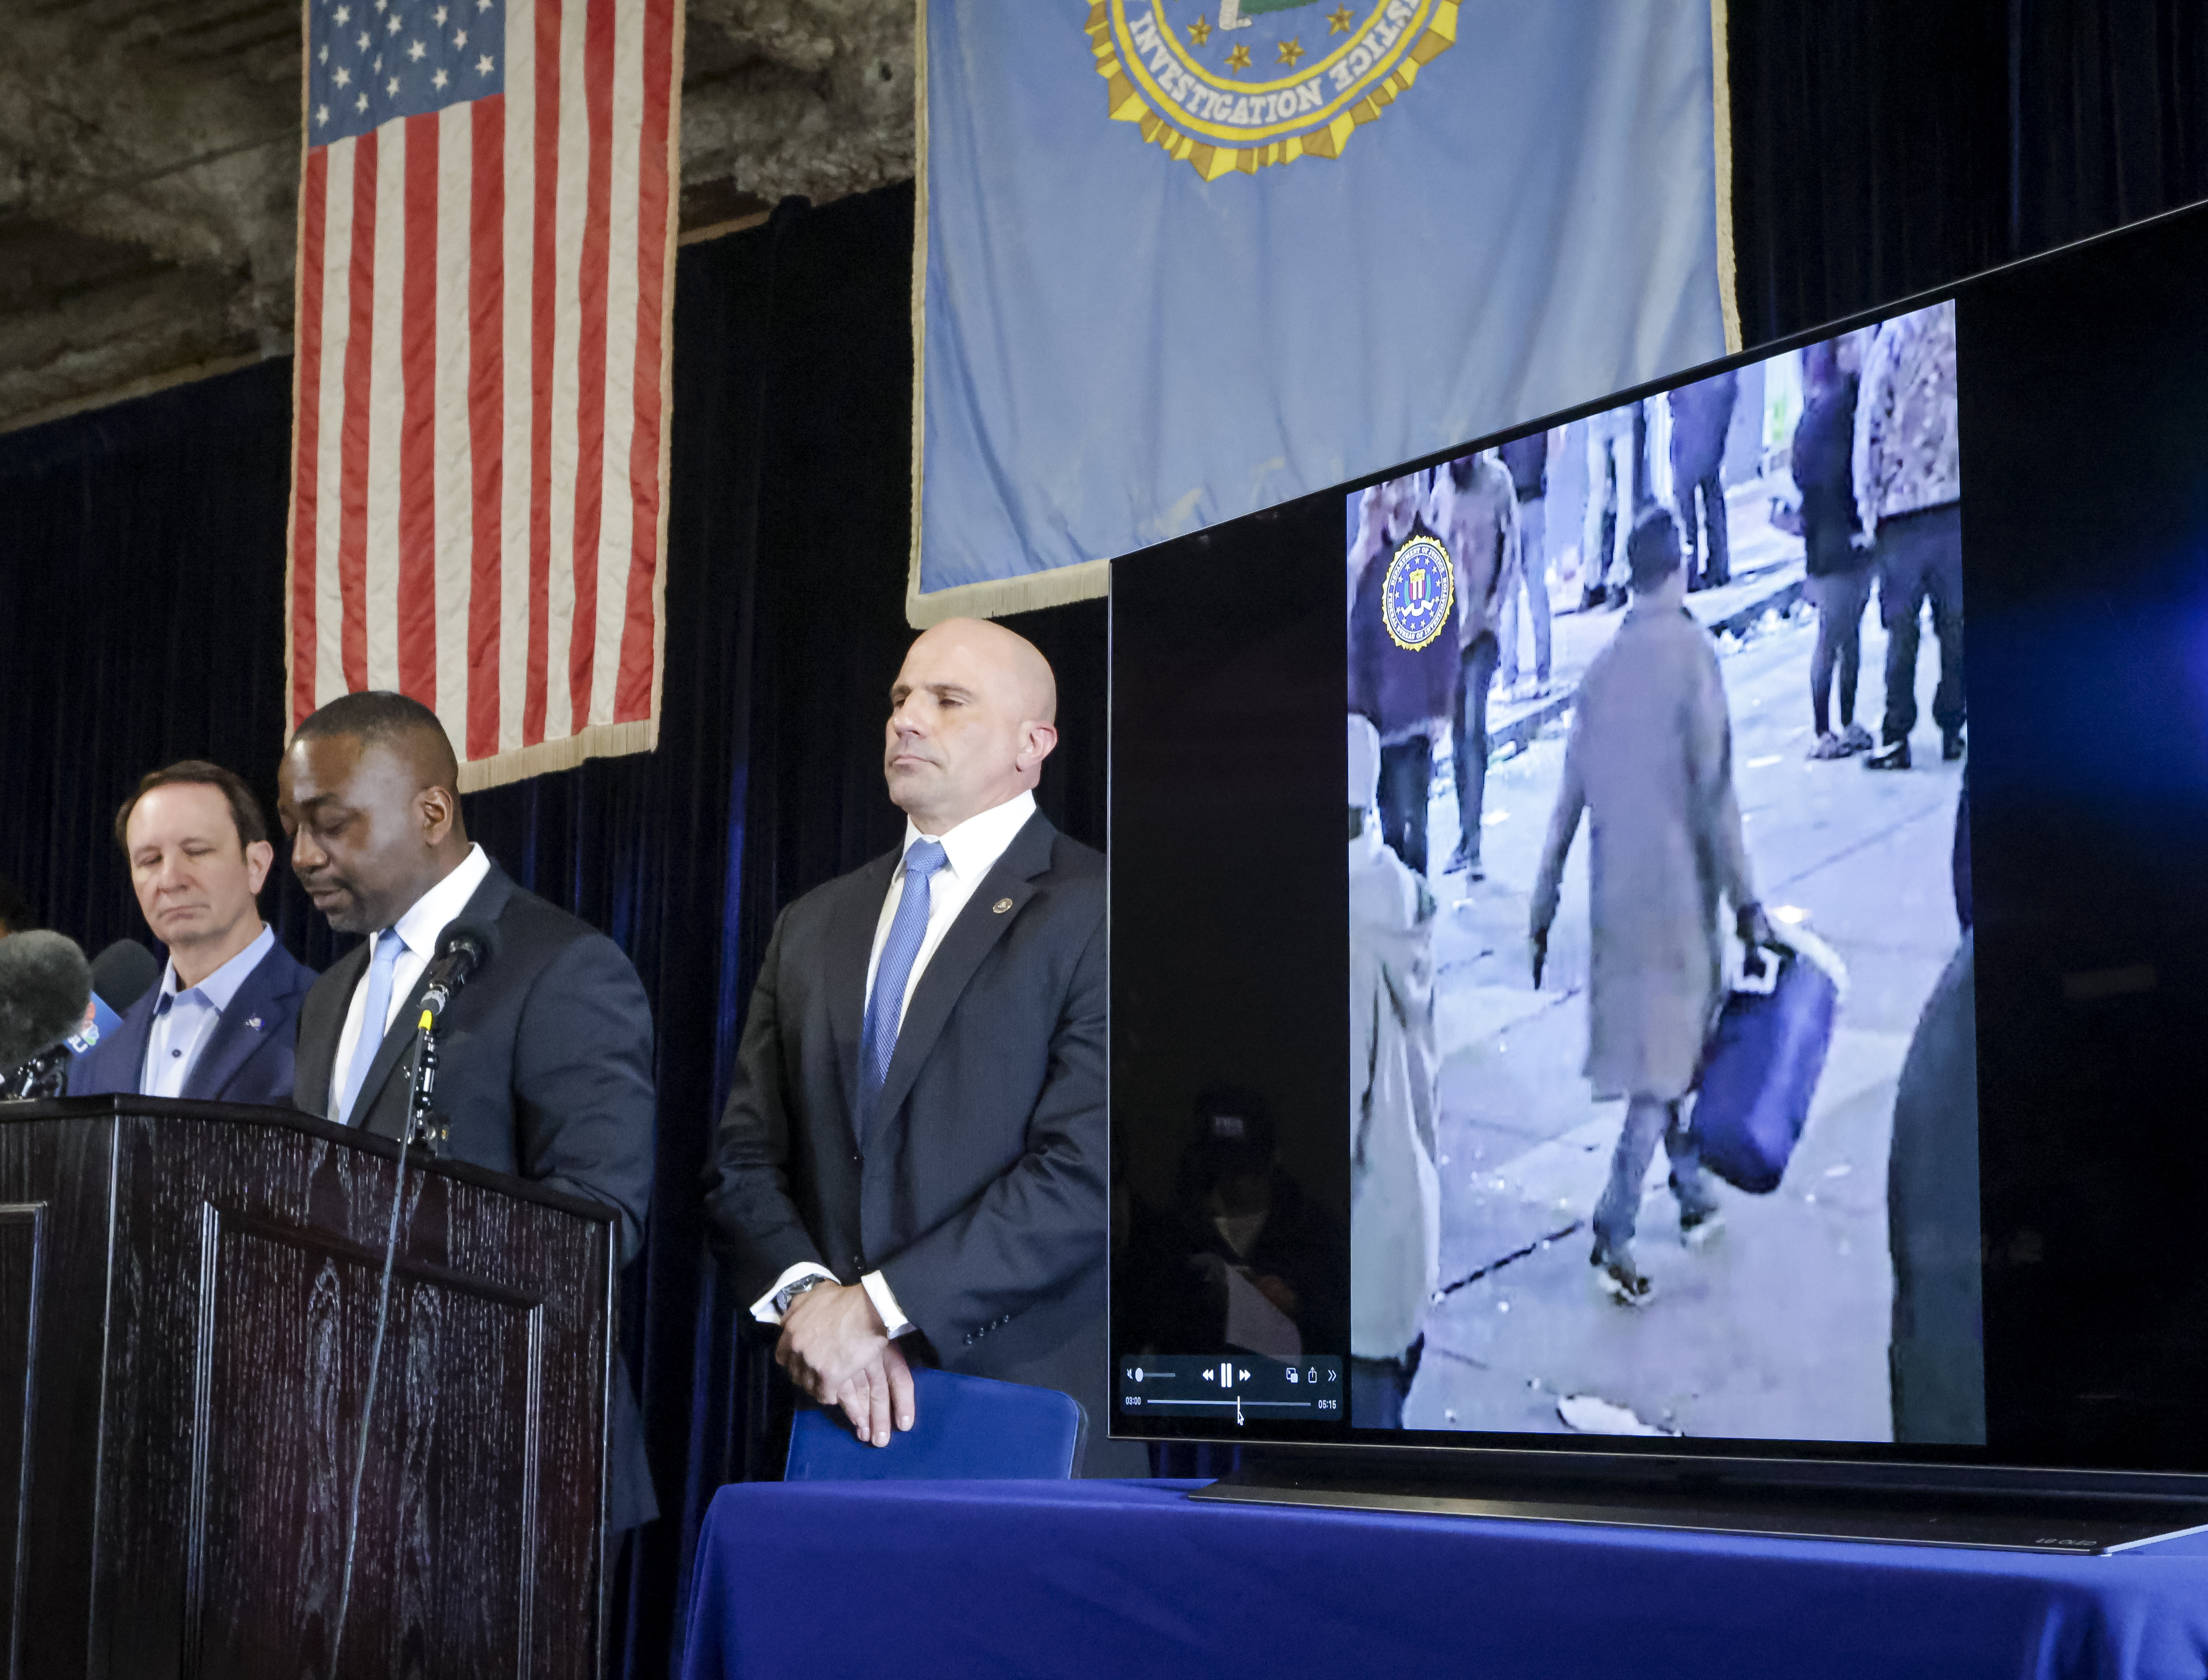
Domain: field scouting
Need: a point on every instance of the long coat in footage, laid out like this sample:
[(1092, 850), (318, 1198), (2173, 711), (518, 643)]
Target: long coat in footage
[(1651, 759), (1395, 1242)]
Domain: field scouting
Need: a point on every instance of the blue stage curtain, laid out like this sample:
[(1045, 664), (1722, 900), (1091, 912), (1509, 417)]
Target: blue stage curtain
[(141, 620), (1885, 148)]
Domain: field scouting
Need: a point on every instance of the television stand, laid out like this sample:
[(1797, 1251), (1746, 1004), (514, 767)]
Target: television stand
[(2004, 1518)]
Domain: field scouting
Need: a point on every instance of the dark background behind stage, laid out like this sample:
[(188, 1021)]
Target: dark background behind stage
[(1883, 147), (1878, 148)]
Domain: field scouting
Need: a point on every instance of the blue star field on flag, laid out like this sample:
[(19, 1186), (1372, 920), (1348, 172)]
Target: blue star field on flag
[(369, 60)]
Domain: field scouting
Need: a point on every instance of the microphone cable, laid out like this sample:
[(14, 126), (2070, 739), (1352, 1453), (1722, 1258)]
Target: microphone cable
[(375, 1363)]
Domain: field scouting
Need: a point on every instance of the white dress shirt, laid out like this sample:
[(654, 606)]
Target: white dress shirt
[(183, 1021), (419, 930), (970, 851)]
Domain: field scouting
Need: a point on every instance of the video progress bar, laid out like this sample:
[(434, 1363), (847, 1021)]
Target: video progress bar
[(1149, 1405)]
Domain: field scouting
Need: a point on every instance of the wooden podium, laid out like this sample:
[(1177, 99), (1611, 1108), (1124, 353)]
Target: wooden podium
[(188, 1296)]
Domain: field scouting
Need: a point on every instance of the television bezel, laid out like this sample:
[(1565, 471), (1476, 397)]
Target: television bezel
[(1817, 1469)]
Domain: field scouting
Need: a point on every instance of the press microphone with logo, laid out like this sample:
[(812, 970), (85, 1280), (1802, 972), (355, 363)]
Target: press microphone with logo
[(121, 974), (45, 988), (463, 948)]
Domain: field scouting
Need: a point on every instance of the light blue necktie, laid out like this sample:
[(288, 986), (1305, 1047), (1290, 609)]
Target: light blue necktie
[(885, 1007), (388, 944)]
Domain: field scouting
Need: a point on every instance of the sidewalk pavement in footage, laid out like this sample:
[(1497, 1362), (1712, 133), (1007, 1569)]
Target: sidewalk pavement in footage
[(1780, 1328)]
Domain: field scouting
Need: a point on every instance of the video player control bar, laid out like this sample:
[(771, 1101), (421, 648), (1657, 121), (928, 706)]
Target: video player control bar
[(1233, 1386)]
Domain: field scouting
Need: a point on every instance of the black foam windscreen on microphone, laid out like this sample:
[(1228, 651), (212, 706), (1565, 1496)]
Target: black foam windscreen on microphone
[(123, 972), (464, 948), (45, 984), (468, 945)]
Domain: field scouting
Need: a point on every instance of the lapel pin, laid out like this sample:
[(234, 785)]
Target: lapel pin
[(254, 1022), (1001, 906)]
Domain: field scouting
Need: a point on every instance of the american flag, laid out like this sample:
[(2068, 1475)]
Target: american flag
[(486, 232)]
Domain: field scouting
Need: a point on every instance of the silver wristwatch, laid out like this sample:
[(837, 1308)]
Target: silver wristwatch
[(789, 1292)]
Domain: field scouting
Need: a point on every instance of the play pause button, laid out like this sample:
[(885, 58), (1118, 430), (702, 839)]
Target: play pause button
[(1167, 1384)]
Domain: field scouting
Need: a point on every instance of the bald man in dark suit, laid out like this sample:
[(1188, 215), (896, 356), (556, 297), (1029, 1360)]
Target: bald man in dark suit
[(912, 1164)]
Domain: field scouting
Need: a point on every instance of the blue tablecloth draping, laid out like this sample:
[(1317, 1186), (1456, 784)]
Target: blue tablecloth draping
[(1036, 1579)]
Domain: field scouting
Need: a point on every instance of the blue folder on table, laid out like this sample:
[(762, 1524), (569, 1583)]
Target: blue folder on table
[(964, 1428)]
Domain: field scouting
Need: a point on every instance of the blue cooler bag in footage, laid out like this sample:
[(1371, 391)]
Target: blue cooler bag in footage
[(1761, 1063)]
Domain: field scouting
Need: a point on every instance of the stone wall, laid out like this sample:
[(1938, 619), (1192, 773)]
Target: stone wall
[(149, 160)]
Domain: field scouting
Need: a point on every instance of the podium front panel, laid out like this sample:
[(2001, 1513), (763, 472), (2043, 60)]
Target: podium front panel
[(239, 1265)]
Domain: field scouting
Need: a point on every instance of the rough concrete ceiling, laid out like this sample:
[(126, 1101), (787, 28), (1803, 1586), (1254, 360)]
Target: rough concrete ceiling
[(149, 156)]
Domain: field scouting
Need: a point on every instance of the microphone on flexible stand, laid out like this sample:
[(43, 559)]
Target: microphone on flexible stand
[(45, 988), (463, 948)]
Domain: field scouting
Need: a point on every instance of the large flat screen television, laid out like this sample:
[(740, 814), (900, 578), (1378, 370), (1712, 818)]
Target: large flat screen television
[(1611, 693)]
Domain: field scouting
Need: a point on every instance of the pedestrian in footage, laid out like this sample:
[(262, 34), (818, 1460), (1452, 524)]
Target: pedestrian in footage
[(1394, 1190), (1936, 1358), (1838, 566), (1406, 692), (1650, 761), (1909, 490), (1474, 507), (1608, 516), (1528, 459), (1701, 415)]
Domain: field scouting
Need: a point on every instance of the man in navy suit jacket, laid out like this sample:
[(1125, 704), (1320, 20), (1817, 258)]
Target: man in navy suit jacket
[(220, 1025), (546, 1071), (911, 1166)]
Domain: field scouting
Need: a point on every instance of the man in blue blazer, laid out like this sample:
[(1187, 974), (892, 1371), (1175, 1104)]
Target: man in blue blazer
[(912, 1165), (220, 1025)]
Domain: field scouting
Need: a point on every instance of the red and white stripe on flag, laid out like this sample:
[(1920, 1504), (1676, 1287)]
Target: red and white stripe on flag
[(485, 283)]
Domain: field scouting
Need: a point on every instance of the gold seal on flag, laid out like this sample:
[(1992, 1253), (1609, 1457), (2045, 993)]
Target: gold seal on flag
[(1244, 83)]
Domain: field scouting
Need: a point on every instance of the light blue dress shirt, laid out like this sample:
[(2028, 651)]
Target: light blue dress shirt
[(183, 1021)]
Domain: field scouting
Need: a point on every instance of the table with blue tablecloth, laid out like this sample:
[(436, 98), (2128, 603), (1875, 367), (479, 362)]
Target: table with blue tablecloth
[(1035, 1578)]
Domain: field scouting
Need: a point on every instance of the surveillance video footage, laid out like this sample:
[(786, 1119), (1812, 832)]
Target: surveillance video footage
[(1663, 1110)]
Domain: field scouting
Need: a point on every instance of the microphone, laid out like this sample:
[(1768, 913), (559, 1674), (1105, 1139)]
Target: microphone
[(123, 972), (46, 988), (46, 985), (462, 948)]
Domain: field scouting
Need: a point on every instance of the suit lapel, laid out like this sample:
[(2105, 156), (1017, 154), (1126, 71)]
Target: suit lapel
[(370, 1110), (850, 946), (318, 1038), (381, 1105), (239, 1031), (970, 939)]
